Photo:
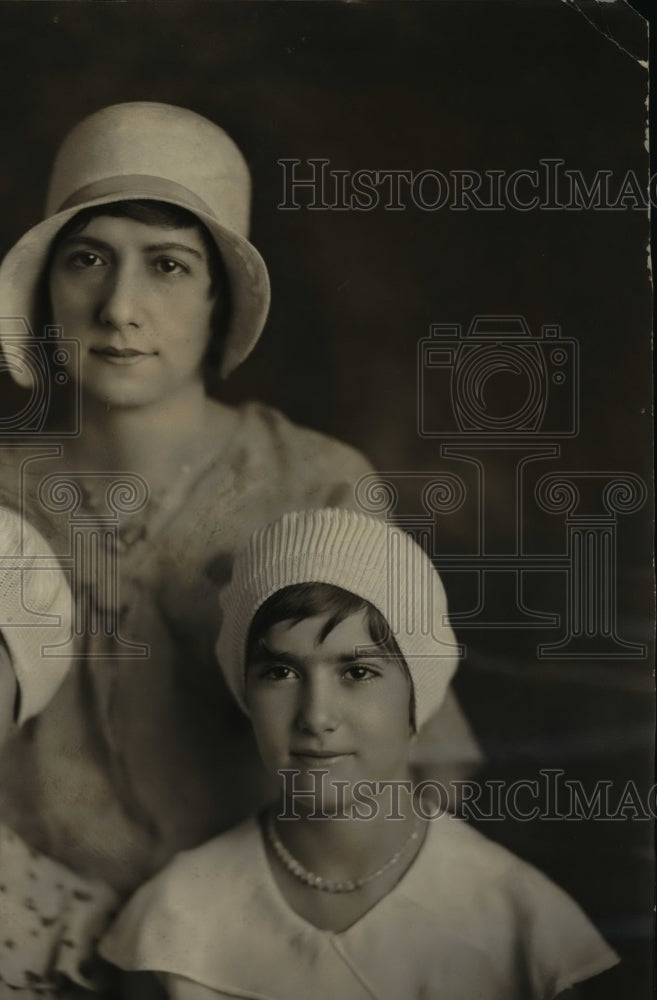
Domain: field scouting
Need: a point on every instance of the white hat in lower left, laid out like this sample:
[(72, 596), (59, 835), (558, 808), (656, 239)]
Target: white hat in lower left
[(35, 613)]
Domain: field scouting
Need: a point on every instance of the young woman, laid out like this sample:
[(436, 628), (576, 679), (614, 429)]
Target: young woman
[(143, 262)]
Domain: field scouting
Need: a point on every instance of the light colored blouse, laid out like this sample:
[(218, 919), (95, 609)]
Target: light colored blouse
[(467, 921)]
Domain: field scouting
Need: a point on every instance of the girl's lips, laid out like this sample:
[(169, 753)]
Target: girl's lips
[(324, 755)]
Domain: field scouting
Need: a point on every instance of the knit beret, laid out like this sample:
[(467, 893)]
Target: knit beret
[(35, 613), (363, 555)]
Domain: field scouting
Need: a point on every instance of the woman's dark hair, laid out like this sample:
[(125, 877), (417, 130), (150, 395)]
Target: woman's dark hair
[(154, 213), (306, 600)]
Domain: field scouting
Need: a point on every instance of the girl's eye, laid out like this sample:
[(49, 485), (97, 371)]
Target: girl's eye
[(359, 672), (83, 259), (166, 265), (279, 672)]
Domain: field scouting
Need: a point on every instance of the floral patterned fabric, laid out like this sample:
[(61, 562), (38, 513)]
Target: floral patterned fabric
[(50, 923)]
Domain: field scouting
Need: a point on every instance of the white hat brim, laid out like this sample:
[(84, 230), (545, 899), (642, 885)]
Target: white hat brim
[(22, 269)]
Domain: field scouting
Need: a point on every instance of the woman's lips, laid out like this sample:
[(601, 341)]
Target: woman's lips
[(120, 355)]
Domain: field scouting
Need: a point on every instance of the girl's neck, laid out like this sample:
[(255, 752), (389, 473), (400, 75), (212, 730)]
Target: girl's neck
[(349, 848), (342, 850)]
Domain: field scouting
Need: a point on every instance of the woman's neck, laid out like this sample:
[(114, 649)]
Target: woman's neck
[(154, 440)]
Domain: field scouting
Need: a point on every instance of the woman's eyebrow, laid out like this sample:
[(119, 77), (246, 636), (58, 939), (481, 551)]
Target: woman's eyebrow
[(80, 239), (165, 247), (77, 239)]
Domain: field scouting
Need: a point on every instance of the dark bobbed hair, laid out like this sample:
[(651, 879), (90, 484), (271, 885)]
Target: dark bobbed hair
[(306, 600), (154, 213)]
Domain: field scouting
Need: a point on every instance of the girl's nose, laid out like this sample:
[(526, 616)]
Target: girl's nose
[(120, 304), (318, 706)]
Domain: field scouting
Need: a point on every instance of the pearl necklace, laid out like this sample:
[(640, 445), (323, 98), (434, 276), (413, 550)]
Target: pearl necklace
[(326, 885)]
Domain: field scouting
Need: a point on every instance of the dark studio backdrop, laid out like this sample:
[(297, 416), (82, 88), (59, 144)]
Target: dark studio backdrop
[(479, 86)]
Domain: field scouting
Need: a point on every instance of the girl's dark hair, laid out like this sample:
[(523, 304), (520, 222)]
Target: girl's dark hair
[(306, 600), (154, 213)]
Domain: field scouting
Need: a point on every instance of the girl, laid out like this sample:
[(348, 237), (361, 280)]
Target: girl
[(50, 917), (335, 643)]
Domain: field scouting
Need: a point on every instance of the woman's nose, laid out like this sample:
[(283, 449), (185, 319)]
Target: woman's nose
[(318, 711), (120, 303)]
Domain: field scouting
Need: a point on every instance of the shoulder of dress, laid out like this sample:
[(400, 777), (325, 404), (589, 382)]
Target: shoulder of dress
[(275, 424), (454, 856), (268, 436), (240, 839), (458, 851), (471, 887), (216, 880), (458, 840), (202, 871)]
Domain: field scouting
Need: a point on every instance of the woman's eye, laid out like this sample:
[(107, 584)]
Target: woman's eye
[(166, 265), (359, 672), (83, 259)]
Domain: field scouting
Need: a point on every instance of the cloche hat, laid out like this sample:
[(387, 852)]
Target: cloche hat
[(359, 553), (146, 150)]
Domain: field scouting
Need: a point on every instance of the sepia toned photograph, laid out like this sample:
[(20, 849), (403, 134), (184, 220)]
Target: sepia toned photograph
[(326, 501)]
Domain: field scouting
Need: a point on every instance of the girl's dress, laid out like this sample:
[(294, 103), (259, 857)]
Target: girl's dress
[(467, 921), (50, 923), (142, 752)]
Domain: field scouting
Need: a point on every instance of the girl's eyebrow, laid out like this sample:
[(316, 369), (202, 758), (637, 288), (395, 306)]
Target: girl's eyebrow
[(262, 651), (362, 655)]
